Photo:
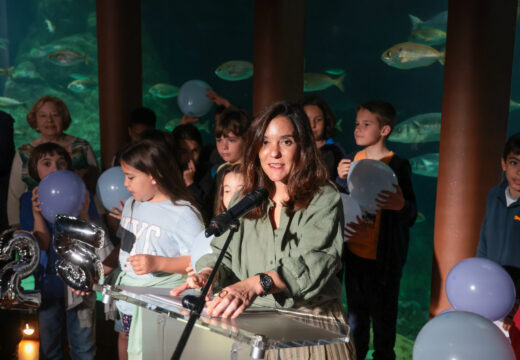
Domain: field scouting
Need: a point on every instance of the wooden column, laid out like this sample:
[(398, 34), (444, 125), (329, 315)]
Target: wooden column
[(119, 59), (278, 51), (475, 111)]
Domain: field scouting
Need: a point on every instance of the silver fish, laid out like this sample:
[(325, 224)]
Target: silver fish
[(235, 70), (318, 82), (439, 21), (425, 165), (409, 55), (418, 129), (7, 102)]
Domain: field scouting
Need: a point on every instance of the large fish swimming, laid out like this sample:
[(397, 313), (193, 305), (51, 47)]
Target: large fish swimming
[(439, 21), (235, 70), (428, 36), (7, 102), (425, 165), (164, 91), (82, 85), (418, 129), (67, 57), (409, 55), (318, 82)]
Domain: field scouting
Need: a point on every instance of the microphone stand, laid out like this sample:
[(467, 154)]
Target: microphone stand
[(196, 309)]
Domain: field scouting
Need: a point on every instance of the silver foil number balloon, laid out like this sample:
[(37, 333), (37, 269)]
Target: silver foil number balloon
[(19, 258), (76, 241)]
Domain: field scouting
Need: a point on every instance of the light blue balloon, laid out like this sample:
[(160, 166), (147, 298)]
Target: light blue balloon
[(110, 188), (192, 98), (461, 335)]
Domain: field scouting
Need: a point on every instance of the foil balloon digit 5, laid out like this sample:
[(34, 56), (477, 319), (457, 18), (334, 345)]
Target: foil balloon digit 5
[(76, 241), (19, 258)]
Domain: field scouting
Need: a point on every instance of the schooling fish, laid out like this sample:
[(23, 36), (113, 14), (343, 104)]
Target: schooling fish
[(235, 70), (26, 70), (428, 36), (82, 85), (409, 55), (50, 26), (67, 57), (439, 21), (418, 129), (425, 165), (318, 82), (164, 91), (7, 102), (335, 72)]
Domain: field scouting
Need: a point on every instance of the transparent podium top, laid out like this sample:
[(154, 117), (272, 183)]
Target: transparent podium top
[(277, 328)]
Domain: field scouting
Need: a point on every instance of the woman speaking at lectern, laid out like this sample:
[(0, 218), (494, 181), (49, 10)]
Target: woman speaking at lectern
[(286, 252)]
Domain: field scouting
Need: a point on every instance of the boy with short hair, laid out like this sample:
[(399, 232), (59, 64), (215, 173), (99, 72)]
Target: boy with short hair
[(375, 254)]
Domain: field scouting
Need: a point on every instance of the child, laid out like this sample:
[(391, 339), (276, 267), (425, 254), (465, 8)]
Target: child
[(231, 181), (157, 226), (376, 253), (61, 314), (230, 129), (500, 229)]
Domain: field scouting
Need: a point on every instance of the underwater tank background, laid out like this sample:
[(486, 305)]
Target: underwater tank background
[(184, 41)]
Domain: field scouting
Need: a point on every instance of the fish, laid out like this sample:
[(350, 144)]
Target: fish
[(37, 53), (338, 124), (7, 102), (8, 72), (513, 105), (439, 21), (172, 124), (164, 91), (82, 85), (428, 36), (77, 76), (335, 71), (67, 57), (318, 82), (50, 26), (26, 70), (425, 165), (235, 70), (409, 55), (203, 126), (417, 129)]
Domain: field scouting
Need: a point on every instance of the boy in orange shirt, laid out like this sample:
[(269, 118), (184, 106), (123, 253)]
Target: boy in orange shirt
[(375, 254)]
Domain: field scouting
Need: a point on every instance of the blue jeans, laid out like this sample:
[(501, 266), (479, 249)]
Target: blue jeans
[(371, 296), (55, 324)]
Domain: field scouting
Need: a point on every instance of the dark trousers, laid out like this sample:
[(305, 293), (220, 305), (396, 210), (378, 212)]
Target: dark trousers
[(371, 297)]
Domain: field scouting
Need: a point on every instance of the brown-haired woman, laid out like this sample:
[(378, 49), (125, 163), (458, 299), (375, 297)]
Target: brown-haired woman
[(50, 117), (287, 252)]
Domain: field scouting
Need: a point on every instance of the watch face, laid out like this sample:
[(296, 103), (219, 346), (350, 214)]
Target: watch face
[(266, 282)]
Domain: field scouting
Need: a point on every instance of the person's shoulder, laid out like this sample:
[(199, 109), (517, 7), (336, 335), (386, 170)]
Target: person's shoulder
[(498, 190), (327, 195)]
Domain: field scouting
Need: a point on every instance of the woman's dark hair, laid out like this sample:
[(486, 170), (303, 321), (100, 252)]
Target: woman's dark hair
[(187, 132), (153, 155), (60, 105), (231, 120), (40, 151), (328, 115), (308, 173)]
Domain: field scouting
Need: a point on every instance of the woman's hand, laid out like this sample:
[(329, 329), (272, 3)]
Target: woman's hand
[(391, 200), (116, 212), (194, 281), (234, 299), (186, 119), (344, 168), (143, 264)]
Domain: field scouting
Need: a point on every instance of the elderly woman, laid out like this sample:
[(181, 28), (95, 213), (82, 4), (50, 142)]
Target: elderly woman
[(50, 117), (287, 252)]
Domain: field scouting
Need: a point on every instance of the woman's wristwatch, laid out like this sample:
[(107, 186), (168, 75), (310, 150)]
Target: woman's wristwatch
[(266, 282)]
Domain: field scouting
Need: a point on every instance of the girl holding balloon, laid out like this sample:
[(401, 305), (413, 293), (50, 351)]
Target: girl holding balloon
[(61, 312), (158, 223)]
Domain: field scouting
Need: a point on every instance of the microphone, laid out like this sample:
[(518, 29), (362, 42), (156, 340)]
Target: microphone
[(220, 223)]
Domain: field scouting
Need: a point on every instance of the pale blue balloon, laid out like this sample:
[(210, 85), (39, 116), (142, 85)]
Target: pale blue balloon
[(461, 335), (62, 192), (110, 188), (192, 98), (481, 286)]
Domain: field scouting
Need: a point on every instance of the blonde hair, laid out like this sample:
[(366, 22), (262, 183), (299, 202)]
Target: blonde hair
[(62, 109)]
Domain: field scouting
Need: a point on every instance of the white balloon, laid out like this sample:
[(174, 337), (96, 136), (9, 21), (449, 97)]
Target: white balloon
[(351, 211), (366, 179)]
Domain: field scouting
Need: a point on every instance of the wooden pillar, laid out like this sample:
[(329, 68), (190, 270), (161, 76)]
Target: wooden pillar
[(278, 51), (475, 110), (120, 79)]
